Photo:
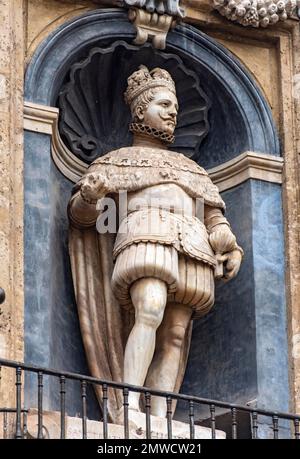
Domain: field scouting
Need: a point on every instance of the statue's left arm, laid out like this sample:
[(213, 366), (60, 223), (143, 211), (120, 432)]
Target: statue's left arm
[(228, 253)]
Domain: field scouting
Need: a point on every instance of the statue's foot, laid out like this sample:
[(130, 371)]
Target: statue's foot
[(132, 413), (136, 419)]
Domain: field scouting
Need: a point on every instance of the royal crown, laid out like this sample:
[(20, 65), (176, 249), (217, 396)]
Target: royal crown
[(143, 79)]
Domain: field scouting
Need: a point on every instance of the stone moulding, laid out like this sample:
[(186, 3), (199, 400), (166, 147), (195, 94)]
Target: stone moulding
[(247, 165), (39, 118), (69, 165)]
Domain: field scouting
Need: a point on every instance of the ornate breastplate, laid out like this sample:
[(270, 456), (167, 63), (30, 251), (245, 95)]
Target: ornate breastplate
[(186, 233)]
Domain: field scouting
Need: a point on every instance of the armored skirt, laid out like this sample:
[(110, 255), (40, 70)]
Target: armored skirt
[(179, 255)]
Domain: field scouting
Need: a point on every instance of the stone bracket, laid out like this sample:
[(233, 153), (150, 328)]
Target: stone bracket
[(151, 25)]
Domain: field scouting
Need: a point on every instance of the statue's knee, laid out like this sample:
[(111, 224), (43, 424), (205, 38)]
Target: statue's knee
[(149, 299), (150, 318), (176, 335), (150, 311)]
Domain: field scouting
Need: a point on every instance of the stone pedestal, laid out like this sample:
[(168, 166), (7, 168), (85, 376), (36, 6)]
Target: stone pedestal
[(137, 428)]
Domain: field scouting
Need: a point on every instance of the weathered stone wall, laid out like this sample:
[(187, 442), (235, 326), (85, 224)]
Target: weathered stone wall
[(291, 201), (11, 187), (46, 15)]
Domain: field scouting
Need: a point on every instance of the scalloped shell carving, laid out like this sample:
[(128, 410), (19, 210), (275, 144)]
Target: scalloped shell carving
[(94, 118)]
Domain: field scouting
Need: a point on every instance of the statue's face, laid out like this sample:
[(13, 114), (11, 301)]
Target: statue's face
[(161, 112)]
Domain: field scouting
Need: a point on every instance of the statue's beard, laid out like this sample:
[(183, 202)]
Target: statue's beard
[(140, 128)]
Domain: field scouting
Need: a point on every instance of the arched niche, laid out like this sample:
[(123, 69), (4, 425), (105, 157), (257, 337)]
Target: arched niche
[(237, 342), (239, 111)]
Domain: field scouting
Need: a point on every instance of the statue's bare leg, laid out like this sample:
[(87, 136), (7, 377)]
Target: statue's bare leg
[(164, 369), (149, 297)]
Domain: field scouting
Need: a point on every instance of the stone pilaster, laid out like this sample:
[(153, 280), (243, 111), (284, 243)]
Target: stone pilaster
[(292, 206), (11, 189)]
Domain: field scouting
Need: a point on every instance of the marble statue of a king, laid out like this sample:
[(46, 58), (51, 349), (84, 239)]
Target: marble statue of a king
[(139, 289)]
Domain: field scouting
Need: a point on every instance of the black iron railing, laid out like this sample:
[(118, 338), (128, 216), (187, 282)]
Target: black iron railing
[(5, 427), (255, 414)]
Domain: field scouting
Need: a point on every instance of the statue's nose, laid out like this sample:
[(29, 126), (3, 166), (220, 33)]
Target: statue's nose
[(173, 112)]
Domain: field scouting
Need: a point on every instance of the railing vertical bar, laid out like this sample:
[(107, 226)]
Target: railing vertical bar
[(5, 424), (125, 407), (40, 405), (213, 421), (62, 381), (84, 409), (169, 416), (254, 425), (18, 399), (105, 397), (24, 424), (275, 426), (192, 420), (297, 431), (234, 423), (148, 414)]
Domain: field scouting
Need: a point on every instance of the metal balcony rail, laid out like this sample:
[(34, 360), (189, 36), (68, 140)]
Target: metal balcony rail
[(5, 412), (20, 429)]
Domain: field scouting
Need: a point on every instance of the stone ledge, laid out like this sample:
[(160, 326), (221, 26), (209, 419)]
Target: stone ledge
[(137, 428)]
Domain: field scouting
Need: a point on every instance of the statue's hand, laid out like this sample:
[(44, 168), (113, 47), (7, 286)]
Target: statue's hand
[(93, 187), (232, 262)]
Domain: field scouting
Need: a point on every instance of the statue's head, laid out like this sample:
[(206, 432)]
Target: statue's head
[(153, 102)]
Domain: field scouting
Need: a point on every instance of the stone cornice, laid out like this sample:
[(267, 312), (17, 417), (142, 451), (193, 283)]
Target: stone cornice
[(39, 118), (248, 165)]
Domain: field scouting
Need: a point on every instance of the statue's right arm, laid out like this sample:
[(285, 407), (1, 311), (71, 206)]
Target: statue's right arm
[(82, 209)]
